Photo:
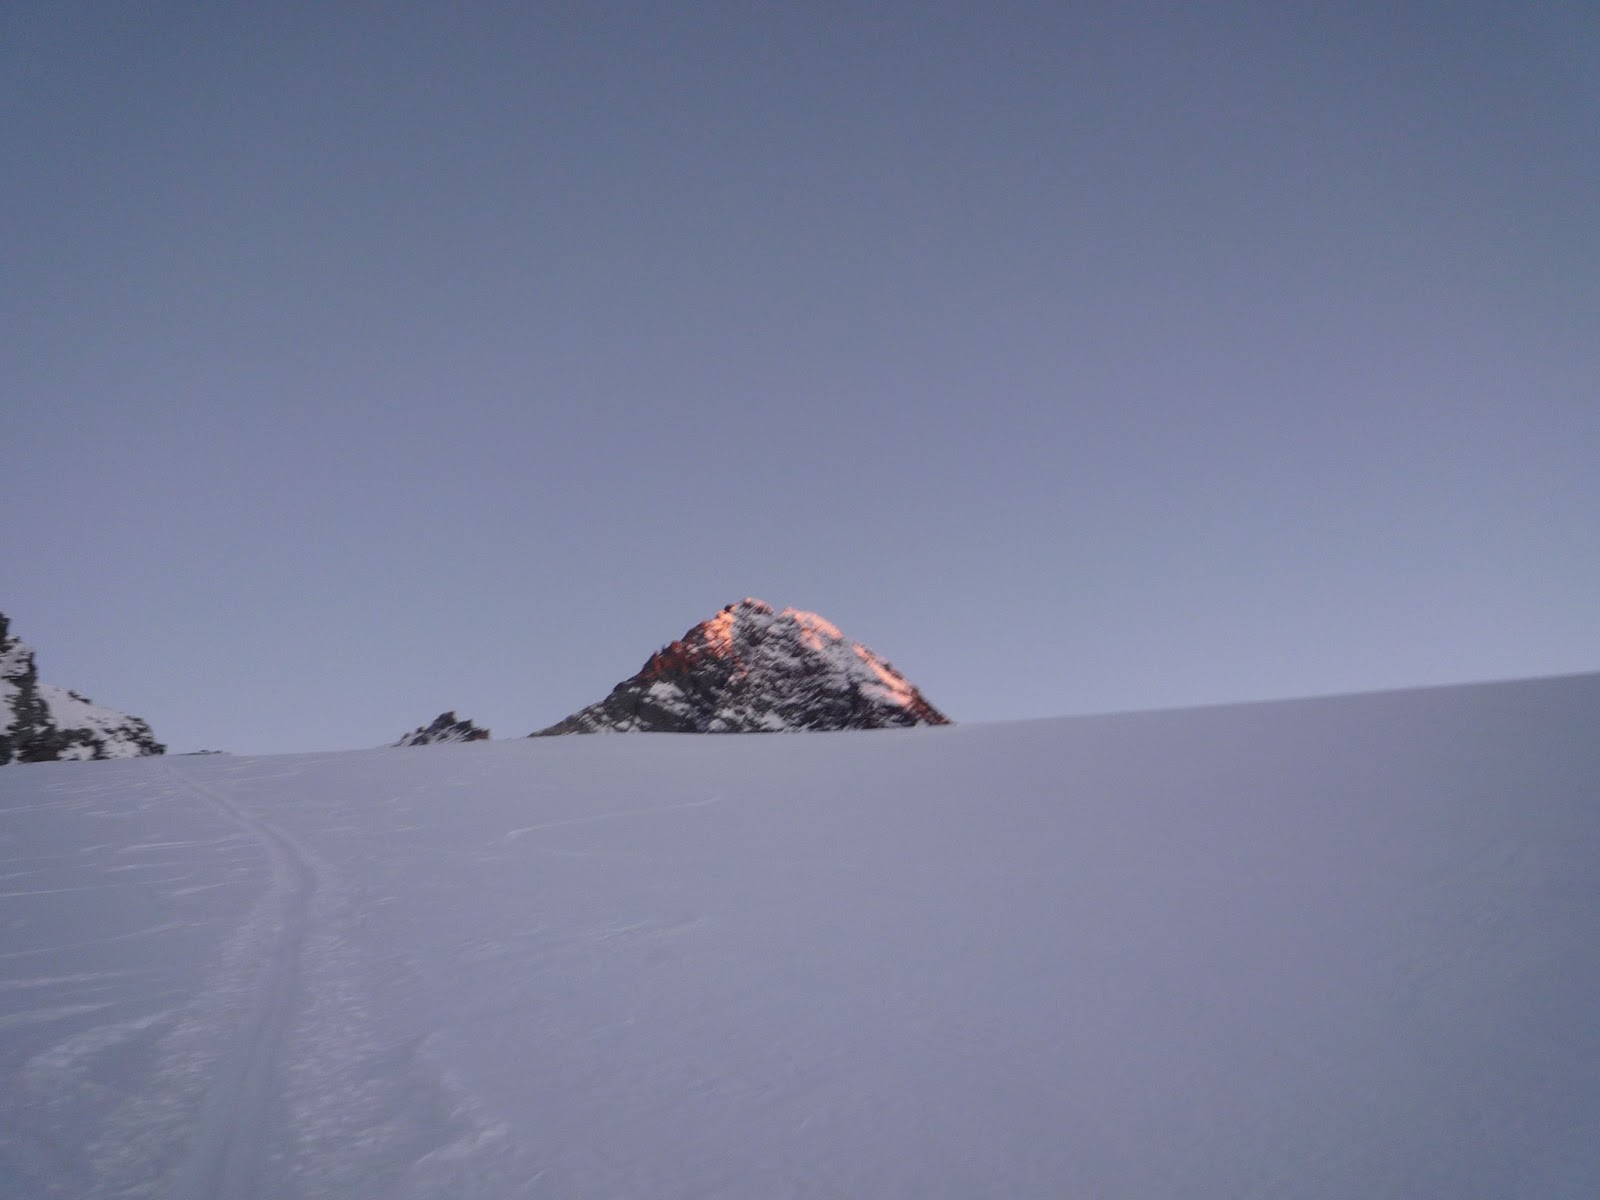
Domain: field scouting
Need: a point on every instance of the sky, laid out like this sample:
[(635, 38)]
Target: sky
[(366, 361)]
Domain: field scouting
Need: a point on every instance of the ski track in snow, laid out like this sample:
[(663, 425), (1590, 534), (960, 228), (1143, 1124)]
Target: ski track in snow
[(103, 1107), (1318, 949), (309, 1100), (226, 1156)]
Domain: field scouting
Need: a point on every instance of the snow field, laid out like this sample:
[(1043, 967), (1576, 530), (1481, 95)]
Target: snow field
[(1319, 948)]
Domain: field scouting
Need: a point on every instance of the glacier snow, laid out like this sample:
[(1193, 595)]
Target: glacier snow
[(1324, 948)]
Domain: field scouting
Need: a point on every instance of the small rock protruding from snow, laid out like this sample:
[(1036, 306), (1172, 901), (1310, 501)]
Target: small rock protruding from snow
[(40, 722), (752, 669), (445, 728)]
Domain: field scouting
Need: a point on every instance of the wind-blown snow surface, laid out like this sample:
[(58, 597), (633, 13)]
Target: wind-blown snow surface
[(1331, 948)]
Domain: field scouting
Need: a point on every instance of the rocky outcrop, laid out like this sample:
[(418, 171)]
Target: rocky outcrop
[(40, 722), (751, 669), (445, 728)]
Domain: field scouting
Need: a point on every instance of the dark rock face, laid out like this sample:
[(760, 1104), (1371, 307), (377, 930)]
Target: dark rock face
[(750, 669), (40, 722), (445, 728)]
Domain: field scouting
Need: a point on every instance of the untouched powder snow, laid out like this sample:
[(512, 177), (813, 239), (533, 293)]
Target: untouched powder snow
[(1341, 948)]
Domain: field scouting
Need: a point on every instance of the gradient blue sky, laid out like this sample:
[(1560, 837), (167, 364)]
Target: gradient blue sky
[(362, 361)]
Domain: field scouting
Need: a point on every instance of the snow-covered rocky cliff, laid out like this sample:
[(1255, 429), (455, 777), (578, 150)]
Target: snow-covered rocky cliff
[(752, 669), (40, 722), (445, 728)]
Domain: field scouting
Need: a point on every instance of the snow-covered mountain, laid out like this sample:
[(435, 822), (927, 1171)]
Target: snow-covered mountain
[(1330, 948), (445, 728), (40, 722), (751, 669)]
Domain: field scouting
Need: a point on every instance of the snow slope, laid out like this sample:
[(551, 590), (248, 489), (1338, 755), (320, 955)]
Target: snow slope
[(1325, 948)]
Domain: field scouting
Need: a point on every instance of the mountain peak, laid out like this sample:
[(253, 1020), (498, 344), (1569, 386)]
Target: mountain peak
[(752, 668)]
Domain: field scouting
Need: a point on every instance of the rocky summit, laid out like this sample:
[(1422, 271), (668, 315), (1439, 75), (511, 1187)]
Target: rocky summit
[(753, 669), (445, 728), (40, 722)]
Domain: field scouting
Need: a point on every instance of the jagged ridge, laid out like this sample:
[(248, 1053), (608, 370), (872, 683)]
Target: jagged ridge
[(751, 669), (445, 728), (45, 723)]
